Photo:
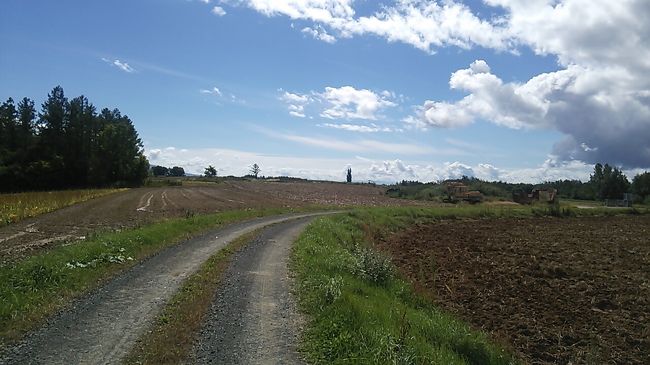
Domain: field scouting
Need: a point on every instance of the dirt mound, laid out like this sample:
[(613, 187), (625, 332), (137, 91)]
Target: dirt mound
[(555, 290)]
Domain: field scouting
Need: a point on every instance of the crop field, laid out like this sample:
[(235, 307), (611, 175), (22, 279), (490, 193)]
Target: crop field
[(16, 207), (570, 290), (137, 207)]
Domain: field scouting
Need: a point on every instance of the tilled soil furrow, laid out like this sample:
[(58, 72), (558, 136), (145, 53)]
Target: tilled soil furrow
[(103, 326), (253, 319)]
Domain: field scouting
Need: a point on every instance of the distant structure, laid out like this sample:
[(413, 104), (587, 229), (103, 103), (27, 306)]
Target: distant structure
[(457, 191), (349, 177), (543, 195)]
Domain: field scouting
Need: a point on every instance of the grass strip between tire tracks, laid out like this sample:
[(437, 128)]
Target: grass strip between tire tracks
[(36, 287), (172, 337)]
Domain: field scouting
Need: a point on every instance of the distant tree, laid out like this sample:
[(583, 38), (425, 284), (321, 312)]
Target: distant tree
[(349, 175), (160, 171), (641, 185), (210, 171), (177, 171), (255, 170), (609, 182)]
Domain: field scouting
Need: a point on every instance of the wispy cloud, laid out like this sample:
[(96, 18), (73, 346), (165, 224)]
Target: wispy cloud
[(222, 95), (372, 128), (119, 64), (358, 145)]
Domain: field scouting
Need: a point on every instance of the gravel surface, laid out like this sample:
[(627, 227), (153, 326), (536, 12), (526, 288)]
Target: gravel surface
[(253, 319), (103, 326)]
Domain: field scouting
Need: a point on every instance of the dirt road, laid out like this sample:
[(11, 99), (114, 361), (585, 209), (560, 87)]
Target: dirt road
[(102, 327), (253, 319)]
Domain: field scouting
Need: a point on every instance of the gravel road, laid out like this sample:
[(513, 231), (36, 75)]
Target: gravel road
[(253, 319), (103, 326)]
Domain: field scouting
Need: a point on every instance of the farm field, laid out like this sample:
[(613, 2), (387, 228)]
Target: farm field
[(137, 207), (571, 290), (16, 207)]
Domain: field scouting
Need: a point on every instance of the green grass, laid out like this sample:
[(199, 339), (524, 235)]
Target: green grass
[(171, 338), (16, 207), (361, 313), (36, 287)]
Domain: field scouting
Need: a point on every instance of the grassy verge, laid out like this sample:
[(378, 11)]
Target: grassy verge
[(361, 313), (16, 207), (171, 339), (38, 286)]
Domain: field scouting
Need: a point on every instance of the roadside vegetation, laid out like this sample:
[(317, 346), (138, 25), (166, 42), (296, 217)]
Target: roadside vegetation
[(16, 207), (360, 311), (38, 286), (171, 339)]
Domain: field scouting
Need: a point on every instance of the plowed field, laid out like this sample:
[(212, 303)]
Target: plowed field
[(557, 291), (140, 206)]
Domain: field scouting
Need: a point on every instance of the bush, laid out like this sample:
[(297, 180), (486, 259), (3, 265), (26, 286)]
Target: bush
[(371, 265)]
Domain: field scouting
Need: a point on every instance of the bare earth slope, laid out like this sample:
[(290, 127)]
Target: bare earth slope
[(102, 327)]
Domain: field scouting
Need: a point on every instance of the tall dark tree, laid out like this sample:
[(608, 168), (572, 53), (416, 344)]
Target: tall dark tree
[(177, 171), (609, 182), (210, 171), (255, 170), (160, 171), (349, 175), (641, 185), (68, 145)]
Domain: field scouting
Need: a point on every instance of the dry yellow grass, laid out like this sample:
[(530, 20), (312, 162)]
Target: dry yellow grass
[(16, 207)]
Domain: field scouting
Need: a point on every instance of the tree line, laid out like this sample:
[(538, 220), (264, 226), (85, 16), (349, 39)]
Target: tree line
[(606, 182), (68, 144)]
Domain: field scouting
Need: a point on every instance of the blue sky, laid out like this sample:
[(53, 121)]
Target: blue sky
[(424, 90)]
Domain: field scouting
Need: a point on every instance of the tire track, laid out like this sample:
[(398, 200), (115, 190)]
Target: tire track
[(103, 326), (253, 319)]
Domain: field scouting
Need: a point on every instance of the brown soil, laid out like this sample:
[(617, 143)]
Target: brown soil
[(559, 291), (145, 205)]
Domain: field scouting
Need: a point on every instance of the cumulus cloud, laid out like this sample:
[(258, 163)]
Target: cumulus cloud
[(120, 64), (218, 11), (602, 112), (295, 103), (345, 102), (350, 103), (598, 98)]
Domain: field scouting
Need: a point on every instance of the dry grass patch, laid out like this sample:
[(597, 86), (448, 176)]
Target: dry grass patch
[(16, 207)]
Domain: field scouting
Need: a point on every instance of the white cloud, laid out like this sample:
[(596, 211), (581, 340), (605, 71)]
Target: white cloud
[(205, 1), (234, 162), (120, 64), (360, 145), (422, 24), (296, 103), (372, 128), (214, 91), (318, 32), (218, 11), (602, 112), (349, 103)]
